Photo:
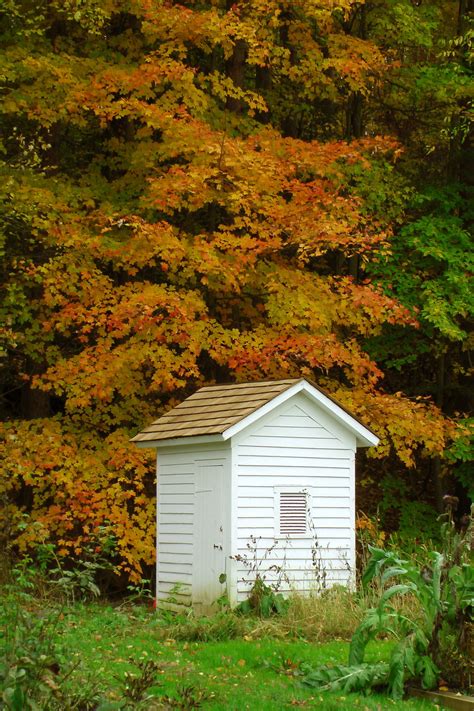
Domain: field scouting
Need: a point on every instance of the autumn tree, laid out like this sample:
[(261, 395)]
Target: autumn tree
[(179, 207)]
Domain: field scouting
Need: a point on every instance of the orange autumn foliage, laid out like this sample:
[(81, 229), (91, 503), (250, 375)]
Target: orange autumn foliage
[(163, 234)]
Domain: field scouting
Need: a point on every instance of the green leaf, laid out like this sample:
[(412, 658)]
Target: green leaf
[(244, 608), (400, 589), (366, 631), (15, 698), (347, 678), (392, 572), (429, 672), (266, 605), (280, 604), (438, 561), (396, 679), (376, 561)]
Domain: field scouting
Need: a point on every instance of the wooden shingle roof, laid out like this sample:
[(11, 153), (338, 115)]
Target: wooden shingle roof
[(213, 409)]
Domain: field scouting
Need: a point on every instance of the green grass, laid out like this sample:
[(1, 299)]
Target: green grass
[(240, 673)]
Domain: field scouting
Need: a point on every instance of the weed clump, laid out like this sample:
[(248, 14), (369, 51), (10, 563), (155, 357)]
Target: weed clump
[(223, 625), (432, 644)]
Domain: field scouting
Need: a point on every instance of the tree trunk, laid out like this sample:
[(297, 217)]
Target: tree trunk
[(289, 124), (263, 83), (437, 483), (34, 403), (354, 118), (235, 70), (465, 8)]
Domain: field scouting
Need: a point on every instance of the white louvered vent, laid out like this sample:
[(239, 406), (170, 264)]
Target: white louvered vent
[(293, 513)]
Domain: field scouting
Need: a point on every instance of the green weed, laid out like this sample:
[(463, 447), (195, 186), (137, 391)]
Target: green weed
[(444, 590)]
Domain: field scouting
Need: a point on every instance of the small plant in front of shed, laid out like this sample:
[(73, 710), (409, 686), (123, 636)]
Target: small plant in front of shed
[(187, 696), (317, 562), (424, 646), (264, 598), (135, 685)]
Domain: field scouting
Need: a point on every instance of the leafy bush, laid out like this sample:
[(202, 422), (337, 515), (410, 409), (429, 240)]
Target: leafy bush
[(418, 520), (31, 660), (263, 600), (424, 649), (34, 668), (63, 577)]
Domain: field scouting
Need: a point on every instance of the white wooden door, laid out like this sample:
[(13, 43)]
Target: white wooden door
[(209, 554)]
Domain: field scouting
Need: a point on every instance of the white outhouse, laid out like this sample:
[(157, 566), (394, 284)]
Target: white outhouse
[(254, 477)]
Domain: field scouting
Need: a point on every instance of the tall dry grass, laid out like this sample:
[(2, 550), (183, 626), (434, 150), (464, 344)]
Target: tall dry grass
[(332, 614)]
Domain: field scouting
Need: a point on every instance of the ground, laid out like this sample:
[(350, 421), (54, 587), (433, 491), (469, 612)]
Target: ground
[(241, 673)]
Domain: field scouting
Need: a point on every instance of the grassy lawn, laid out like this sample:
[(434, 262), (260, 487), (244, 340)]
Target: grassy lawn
[(240, 673)]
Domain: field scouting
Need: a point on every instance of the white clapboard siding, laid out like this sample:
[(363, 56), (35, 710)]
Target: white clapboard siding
[(295, 560), (175, 477), (167, 520), (172, 507), (320, 511), (291, 572), (167, 566), (176, 538), (177, 578), (302, 449), (265, 505), (303, 568), (318, 490), (278, 469), (180, 486), (256, 460), (323, 481), (302, 587), (249, 454), (265, 542), (287, 440), (167, 590), (294, 548), (335, 570), (325, 535), (185, 558)]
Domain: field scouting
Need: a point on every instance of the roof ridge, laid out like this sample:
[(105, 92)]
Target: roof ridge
[(249, 383)]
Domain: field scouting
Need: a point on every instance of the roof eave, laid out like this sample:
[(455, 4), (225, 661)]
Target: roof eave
[(366, 441), (178, 441)]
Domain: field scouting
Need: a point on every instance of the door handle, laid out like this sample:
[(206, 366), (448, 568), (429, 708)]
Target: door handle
[(219, 548)]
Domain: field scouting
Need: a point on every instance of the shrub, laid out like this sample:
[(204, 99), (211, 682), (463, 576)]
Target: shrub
[(424, 649), (30, 658)]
